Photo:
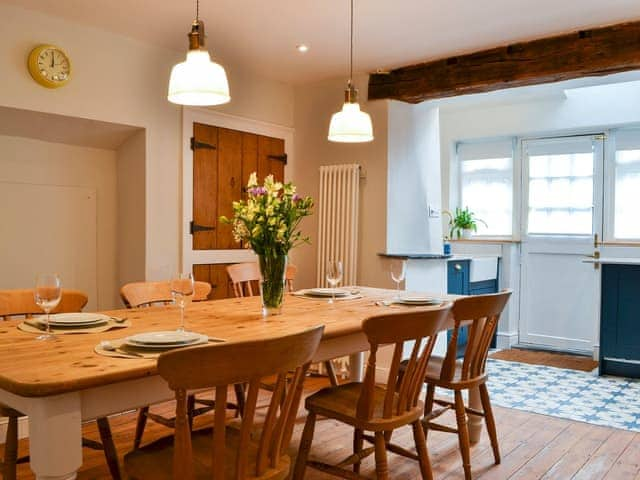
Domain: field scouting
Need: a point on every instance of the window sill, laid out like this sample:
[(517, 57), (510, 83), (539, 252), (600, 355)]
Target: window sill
[(486, 240)]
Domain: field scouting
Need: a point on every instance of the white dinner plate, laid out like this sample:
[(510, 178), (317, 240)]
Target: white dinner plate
[(164, 338), (194, 339), (327, 292), (418, 300), (79, 319)]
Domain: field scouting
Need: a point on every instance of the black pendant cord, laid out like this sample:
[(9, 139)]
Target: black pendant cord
[(351, 49), (197, 10)]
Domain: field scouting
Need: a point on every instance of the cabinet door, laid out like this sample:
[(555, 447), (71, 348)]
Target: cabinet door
[(620, 322), (205, 186), (458, 284)]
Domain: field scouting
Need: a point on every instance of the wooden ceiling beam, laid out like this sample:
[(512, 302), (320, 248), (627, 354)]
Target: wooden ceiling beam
[(592, 52)]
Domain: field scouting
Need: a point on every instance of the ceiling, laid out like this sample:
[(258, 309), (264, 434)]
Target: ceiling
[(261, 35)]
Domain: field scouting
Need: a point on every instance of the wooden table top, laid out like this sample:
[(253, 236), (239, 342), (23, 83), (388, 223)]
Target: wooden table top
[(31, 368)]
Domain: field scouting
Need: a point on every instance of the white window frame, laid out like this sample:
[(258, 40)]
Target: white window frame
[(456, 195)]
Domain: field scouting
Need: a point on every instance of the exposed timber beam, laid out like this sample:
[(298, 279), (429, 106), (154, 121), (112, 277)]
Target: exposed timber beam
[(592, 52)]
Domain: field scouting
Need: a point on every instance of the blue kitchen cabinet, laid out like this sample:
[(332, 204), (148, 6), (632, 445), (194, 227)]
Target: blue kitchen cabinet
[(620, 321), (458, 283)]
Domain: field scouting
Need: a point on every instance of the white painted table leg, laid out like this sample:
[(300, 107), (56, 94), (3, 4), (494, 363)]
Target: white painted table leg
[(474, 421), (55, 437), (356, 363)]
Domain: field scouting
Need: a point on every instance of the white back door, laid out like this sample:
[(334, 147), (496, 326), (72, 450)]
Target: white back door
[(562, 211)]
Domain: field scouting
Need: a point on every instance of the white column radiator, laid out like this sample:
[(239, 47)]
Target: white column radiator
[(338, 220)]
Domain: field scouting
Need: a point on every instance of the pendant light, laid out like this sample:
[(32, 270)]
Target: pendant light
[(350, 125), (198, 81)]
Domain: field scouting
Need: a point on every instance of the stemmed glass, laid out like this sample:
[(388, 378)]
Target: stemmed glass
[(398, 270), (182, 288), (334, 276), (47, 295)]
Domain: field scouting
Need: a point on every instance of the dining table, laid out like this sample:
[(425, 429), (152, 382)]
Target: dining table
[(62, 383)]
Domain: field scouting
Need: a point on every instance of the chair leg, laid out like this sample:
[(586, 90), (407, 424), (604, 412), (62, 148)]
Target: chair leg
[(331, 372), (11, 450), (191, 405), (358, 443), (305, 447), (240, 397), (140, 424), (428, 406), (421, 449), (110, 453), (382, 467), (490, 421), (463, 434)]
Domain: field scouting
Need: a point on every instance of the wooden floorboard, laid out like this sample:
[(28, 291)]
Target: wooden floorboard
[(532, 447)]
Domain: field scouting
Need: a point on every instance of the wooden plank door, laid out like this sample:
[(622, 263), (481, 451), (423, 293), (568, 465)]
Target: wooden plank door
[(223, 159)]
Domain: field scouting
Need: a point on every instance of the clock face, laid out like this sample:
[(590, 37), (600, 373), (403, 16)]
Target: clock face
[(49, 66)]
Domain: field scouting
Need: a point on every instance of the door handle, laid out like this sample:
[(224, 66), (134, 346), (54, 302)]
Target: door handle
[(596, 257)]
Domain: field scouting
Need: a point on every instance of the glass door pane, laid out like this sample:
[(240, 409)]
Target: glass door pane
[(560, 185)]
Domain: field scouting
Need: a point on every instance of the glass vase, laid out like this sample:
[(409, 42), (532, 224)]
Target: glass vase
[(272, 283)]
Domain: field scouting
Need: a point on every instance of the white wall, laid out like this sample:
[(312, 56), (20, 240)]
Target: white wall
[(124, 81), (413, 179), (314, 105), (34, 162)]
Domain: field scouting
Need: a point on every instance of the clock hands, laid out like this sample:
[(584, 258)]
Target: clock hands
[(52, 59)]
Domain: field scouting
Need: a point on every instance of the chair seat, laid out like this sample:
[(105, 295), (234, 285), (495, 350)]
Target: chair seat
[(341, 403), (434, 368), (155, 460)]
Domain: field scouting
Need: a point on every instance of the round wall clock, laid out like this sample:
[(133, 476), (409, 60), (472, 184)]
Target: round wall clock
[(49, 66)]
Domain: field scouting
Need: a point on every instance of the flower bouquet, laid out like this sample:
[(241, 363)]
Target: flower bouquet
[(267, 222)]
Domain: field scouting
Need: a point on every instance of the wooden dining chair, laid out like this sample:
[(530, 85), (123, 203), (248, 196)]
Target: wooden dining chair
[(480, 314), (368, 407), (244, 278), (147, 294), (243, 449), (20, 303)]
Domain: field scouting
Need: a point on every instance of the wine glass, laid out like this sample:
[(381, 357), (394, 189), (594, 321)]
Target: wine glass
[(182, 288), (47, 295), (398, 270), (334, 276)]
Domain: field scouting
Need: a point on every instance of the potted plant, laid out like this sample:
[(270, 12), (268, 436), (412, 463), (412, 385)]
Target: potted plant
[(267, 221), (462, 223)]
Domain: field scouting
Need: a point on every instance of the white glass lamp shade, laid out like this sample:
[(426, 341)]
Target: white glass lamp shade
[(198, 81), (350, 125)]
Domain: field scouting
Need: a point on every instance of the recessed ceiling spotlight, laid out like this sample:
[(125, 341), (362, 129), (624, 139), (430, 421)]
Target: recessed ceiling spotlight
[(302, 48)]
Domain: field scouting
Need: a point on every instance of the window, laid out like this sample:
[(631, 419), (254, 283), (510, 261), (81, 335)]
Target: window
[(486, 184), (627, 185), (561, 176)]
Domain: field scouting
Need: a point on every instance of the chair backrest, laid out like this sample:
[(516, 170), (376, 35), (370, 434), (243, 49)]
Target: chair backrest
[(20, 302), (245, 277), (145, 294), (480, 314), (402, 391), (221, 365)]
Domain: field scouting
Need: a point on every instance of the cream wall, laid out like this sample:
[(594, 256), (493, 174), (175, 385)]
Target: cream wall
[(314, 105), (120, 80), (28, 161), (131, 204)]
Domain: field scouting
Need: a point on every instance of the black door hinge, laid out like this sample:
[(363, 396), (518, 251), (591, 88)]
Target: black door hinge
[(282, 158), (196, 144), (194, 228)]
